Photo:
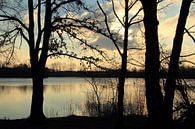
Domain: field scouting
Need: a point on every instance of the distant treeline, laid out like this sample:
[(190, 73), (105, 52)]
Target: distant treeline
[(25, 72)]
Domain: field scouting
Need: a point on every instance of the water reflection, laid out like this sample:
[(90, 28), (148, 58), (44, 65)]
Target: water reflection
[(14, 101), (67, 96), (63, 96)]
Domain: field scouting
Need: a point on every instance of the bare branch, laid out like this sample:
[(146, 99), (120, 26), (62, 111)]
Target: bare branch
[(134, 16), (191, 27), (190, 35), (62, 3), (134, 48), (138, 65), (167, 5), (8, 39), (113, 8), (10, 18), (108, 28), (191, 54), (188, 55), (102, 53), (136, 22), (90, 60), (187, 61), (132, 4), (23, 35)]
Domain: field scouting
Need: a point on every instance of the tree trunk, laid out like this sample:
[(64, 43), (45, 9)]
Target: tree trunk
[(38, 63), (120, 103), (122, 76), (154, 97), (174, 62), (36, 114)]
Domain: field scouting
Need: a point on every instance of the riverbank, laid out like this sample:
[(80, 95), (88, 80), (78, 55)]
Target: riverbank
[(16, 73), (83, 122), (74, 122)]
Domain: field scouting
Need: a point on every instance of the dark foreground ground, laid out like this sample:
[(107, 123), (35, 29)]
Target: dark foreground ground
[(73, 122), (77, 122)]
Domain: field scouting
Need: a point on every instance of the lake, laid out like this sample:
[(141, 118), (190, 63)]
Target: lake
[(64, 96)]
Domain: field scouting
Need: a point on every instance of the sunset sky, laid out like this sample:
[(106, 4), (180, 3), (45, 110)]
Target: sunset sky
[(167, 18)]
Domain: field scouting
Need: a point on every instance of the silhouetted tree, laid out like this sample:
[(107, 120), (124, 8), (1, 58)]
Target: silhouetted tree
[(154, 97), (102, 26), (160, 111), (121, 44), (173, 72), (38, 37), (6, 43)]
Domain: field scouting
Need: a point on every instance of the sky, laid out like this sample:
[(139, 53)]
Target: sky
[(168, 21), (167, 16)]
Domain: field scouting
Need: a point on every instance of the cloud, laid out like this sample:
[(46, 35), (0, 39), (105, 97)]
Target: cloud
[(167, 27), (114, 25), (168, 20), (167, 30), (103, 42)]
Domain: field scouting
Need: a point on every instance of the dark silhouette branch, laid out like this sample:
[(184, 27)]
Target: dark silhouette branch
[(90, 60), (116, 15), (173, 70), (132, 4), (11, 18), (167, 5), (167, 57), (187, 61), (191, 27), (23, 35), (135, 48), (191, 54), (8, 13), (137, 63), (134, 16), (102, 53), (62, 3), (190, 35), (136, 22), (47, 34), (108, 29)]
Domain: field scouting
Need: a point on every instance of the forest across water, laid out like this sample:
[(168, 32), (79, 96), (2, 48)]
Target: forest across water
[(25, 72)]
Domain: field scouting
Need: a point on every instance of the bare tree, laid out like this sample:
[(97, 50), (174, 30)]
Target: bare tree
[(173, 72), (157, 107), (121, 43), (38, 37), (154, 96)]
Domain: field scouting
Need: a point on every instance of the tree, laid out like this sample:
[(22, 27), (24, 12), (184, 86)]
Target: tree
[(102, 26), (38, 38), (96, 26), (6, 44), (154, 95), (173, 72), (159, 110)]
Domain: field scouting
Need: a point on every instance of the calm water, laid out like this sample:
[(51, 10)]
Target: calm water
[(67, 96)]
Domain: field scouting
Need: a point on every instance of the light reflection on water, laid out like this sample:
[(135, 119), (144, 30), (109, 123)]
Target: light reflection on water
[(59, 95), (63, 96), (14, 101)]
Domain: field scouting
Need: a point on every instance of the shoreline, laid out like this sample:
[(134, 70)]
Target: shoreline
[(92, 74)]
